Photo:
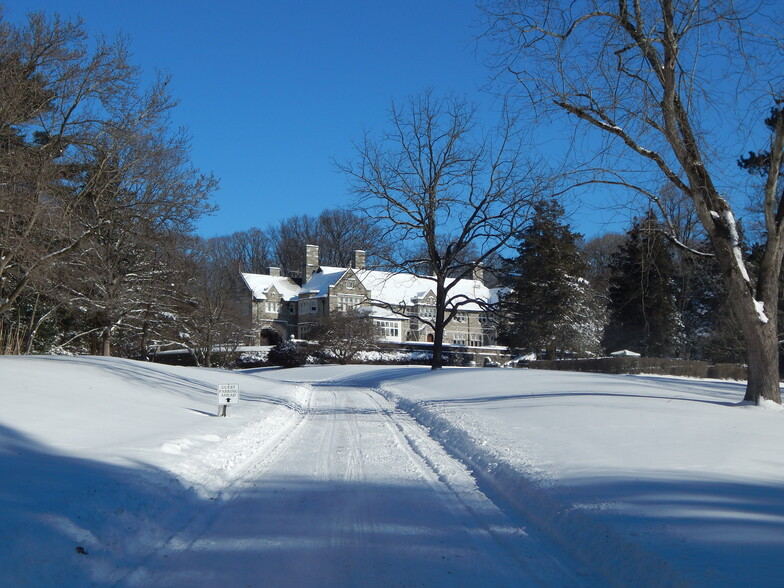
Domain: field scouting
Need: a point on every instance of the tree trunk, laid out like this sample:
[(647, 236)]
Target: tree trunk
[(106, 340), (756, 309), (29, 336), (762, 357), (438, 329), (438, 343), (143, 343), (208, 351)]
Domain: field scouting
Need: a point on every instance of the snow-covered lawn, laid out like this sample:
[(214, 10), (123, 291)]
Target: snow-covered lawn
[(656, 481), (115, 472)]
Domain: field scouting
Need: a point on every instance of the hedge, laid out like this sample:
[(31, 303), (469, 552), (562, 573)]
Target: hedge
[(643, 365)]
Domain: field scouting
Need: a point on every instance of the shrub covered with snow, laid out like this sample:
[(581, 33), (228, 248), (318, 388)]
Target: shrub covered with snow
[(288, 354), (253, 358)]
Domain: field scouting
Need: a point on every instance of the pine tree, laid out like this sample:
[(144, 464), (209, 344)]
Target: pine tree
[(642, 306), (710, 331), (548, 306)]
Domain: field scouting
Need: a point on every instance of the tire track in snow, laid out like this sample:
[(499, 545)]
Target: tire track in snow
[(353, 494), (263, 456), (601, 551), (456, 484), (342, 466)]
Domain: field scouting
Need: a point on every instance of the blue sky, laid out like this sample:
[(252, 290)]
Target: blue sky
[(272, 91)]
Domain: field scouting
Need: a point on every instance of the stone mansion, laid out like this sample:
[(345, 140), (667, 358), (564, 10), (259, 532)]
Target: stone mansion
[(397, 303)]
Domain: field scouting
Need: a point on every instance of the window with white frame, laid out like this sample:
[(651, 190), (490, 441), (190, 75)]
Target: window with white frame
[(476, 340), (348, 302), (272, 307), (461, 316), (427, 311), (459, 339), (389, 329), (351, 283)]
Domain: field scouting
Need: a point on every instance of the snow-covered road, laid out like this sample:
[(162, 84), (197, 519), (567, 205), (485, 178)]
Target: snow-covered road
[(118, 473), (351, 492)]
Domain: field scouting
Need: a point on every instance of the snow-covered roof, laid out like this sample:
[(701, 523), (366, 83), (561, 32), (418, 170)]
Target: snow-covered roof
[(320, 281), (384, 287), (409, 289), (379, 312), (625, 353), (260, 284)]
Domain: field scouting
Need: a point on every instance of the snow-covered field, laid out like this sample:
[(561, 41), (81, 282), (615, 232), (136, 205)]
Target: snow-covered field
[(115, 472)]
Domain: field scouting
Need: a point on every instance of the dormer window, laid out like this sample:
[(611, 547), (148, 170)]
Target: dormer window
[(427, 311), (351, 283)]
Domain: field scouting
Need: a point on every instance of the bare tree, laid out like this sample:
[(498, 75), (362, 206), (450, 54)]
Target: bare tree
[(247, 251), (343, 232), (53, 93), (243, 251), (291, 235), (343, 334), (448, 197), (599, 252), (337, 232), (663, 84), (92, 178), (215, 321), (146, 195)]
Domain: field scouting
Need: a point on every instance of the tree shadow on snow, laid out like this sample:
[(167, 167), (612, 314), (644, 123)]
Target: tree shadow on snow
[(588, 386), (717, 533), (180, 382), (66, 521), (308, 532), (176, 381)]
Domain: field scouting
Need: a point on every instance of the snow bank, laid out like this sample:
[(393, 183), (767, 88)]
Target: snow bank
[(102, 460), (651, 481)]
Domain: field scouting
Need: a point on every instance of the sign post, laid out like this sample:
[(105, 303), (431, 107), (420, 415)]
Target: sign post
[(228, 394)]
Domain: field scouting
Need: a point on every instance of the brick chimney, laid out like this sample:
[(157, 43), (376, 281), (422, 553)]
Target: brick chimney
[(359, 259), (311, 261)]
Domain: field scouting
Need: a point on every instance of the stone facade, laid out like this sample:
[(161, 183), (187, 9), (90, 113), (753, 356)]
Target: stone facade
[(398, 303), (273, 309)]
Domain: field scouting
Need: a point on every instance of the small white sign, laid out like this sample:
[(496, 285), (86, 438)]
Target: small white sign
[(228, 393)]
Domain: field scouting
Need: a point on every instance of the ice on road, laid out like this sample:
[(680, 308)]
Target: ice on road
[(352, 493)]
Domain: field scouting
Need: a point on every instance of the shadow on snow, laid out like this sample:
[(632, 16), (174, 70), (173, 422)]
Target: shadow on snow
[(67, 521)]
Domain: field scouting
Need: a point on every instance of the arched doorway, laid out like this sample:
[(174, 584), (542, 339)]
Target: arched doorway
[(430, 337)]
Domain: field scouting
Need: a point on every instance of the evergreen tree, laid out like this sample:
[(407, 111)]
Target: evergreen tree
[(710, 331), (642, 306), (548, 306), (758, 162)]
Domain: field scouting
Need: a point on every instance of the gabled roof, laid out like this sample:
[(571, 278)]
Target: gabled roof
[(384, 287), (260, 284), (409, 289), (321, 280)]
